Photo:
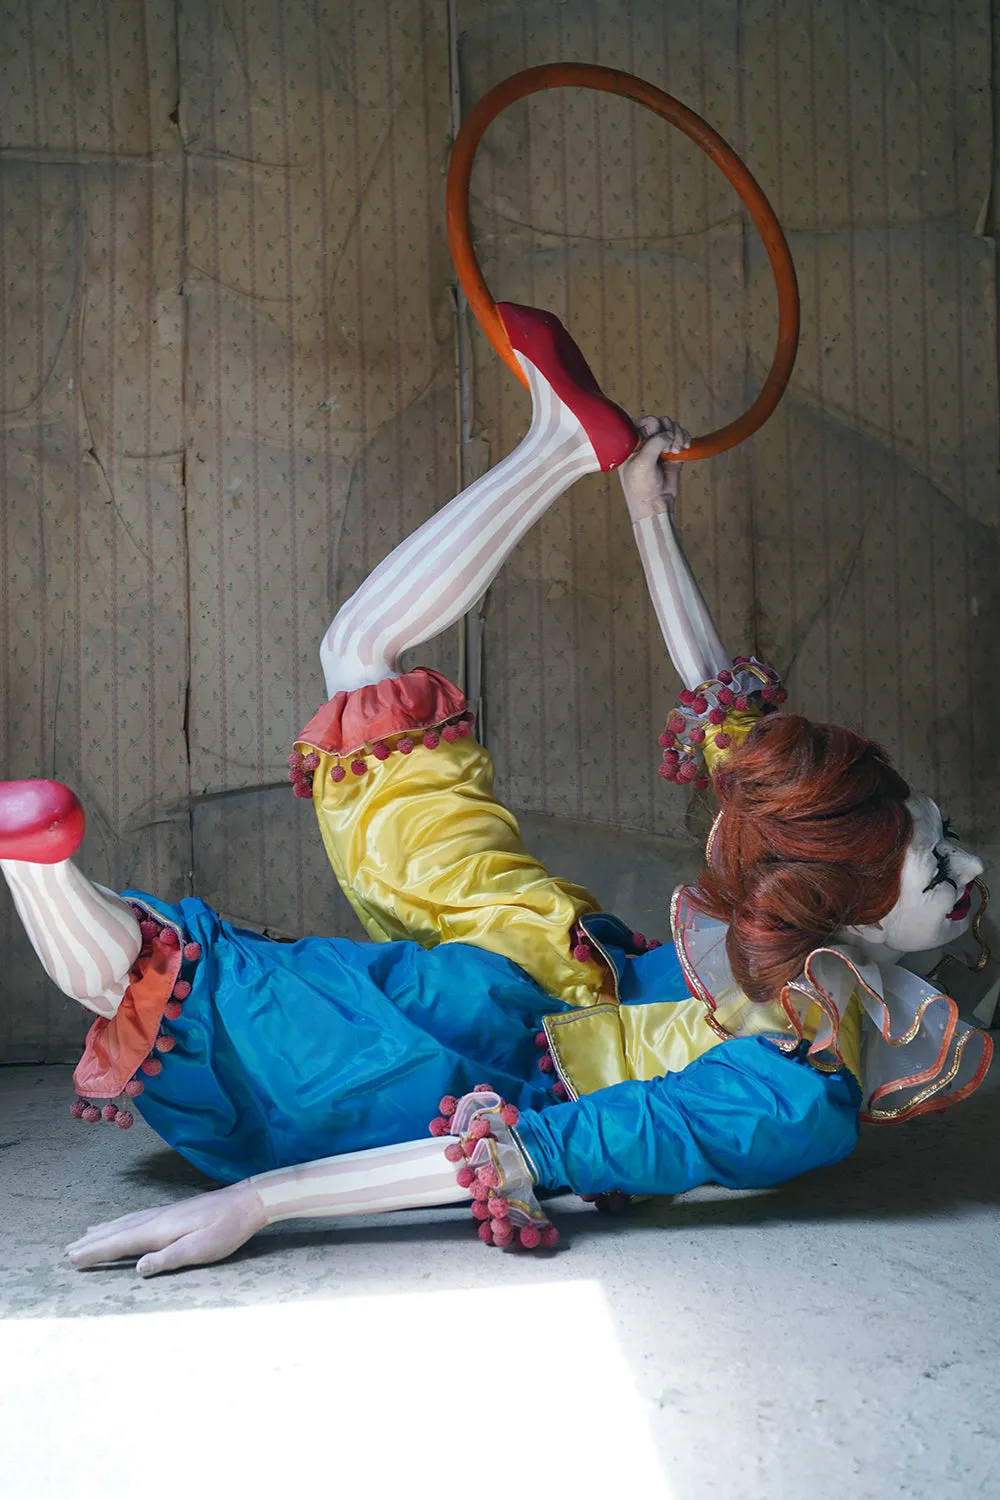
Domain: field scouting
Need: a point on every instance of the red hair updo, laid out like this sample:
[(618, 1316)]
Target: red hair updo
[(812, 836)]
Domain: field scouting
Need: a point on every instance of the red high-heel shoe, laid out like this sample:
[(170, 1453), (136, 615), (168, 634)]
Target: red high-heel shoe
[(540, 337), (40, 821)]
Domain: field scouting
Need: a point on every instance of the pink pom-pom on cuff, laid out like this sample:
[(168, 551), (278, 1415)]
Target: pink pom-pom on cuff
[(483, 1088), (405, 745), (699, 704), (91, 1114), (725, 677), (108, 1112), (337, 773), (77, 1108), (667, 740), (151, 1067), (480, 1211), (303, 789), (510, 1114), (741, 703), (723, 741), (169, 938), (124, 1119), (676, 723), (432, 739), (450, 733), (530, 1237), (582, 953), (541, 1040), (478, 1130), (358, 766), (687, 772), (448, 1105), (560, 1090), (725, 697), (134, 1087), (181, 990), (295, 760), (192, 952), (149, 930), (439, 1126), (686, 696), (503, 1233), (716, 717), (311, 762), (466, 1177), (165, 1043), (453, 1152), (381, 751), (546, 1064), (499, 1208), (488, 1176), (173, 1010), (485, 1232)]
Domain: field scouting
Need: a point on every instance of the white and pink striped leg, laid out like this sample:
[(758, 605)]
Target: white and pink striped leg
[(436, 575), (86, 937)]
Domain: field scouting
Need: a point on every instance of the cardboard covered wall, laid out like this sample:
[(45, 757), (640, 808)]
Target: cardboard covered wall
[(231, 379)]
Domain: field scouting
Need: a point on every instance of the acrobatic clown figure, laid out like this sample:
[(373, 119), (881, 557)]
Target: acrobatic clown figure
[(555, 1048)]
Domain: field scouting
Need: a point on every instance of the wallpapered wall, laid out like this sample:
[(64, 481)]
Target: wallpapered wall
[(231, 380)]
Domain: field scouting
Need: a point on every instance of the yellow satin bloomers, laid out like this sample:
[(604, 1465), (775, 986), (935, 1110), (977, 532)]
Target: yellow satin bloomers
[(423, 850)]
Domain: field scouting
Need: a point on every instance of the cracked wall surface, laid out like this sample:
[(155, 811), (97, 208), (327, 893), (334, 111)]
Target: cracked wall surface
[(230, 383)]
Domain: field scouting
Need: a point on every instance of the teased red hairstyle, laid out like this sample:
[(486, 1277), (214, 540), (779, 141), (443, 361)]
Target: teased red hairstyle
[(812, 839)]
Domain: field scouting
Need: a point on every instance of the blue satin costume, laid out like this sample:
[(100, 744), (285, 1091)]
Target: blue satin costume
[(289, 1052)]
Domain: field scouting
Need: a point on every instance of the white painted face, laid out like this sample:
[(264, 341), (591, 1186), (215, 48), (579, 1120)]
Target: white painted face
[(935, 896)]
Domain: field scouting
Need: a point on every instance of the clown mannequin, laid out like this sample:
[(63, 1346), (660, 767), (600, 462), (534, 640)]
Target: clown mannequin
[(302, 1075)]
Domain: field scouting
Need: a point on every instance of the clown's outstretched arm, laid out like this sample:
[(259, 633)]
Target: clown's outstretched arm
[(650, 484), (780, 1117)]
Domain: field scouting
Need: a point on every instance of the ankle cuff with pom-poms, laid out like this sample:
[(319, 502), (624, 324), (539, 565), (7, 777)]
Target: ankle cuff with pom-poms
[(712, 719), (492, 1170), (302, 768)]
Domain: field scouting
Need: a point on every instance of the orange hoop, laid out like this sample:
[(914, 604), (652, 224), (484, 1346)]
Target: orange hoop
[(611, 81)]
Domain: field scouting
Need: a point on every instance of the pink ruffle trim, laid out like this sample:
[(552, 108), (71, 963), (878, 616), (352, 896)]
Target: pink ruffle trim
[(415, 701)]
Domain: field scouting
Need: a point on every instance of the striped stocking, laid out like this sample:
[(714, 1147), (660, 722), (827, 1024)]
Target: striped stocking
[(86, 937), (436, 575)]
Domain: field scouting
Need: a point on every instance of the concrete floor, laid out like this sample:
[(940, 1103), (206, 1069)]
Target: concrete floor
[(837, 1337)]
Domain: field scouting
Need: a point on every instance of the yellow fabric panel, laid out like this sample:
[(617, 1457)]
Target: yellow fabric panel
[(423, 850), (665, 1036), (609, 1044), (737, 726)]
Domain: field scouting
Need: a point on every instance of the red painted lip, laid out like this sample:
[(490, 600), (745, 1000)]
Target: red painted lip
[(962, 907)]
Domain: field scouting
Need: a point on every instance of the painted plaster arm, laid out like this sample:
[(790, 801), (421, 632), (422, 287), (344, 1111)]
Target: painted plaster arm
[(201, 1230), (650, 486)]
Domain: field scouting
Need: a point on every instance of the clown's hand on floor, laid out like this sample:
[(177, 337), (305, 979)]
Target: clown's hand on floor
[(650, 483), (194, 1232)]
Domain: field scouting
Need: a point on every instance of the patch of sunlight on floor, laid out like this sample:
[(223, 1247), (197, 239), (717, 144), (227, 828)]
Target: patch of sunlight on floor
[(494, 1391)]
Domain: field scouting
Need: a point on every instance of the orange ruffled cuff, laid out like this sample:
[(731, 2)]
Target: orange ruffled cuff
[(418, 700)]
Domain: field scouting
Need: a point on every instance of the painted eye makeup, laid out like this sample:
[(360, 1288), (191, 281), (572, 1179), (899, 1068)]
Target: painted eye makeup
[(942, 873)]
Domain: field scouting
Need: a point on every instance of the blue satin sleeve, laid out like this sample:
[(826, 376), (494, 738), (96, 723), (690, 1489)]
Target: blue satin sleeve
[(745, 1115)]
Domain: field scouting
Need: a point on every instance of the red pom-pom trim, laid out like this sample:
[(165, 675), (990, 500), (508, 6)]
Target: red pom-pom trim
[(530, 1237), (134, 1087), (91, 1114), (432, 739), (700, 703), (439, 1126), (337, 773), (124, 1119), (173, 1010), (546, 1064), (510, 1114), (181, 989), (381, 751), (192, 953), (303, 789), (151, 1067), (450, 733), (359, 766), (405, 745), (448, 1105)]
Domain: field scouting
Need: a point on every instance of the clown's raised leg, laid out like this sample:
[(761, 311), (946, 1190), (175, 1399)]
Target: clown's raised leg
[(87, 938)]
